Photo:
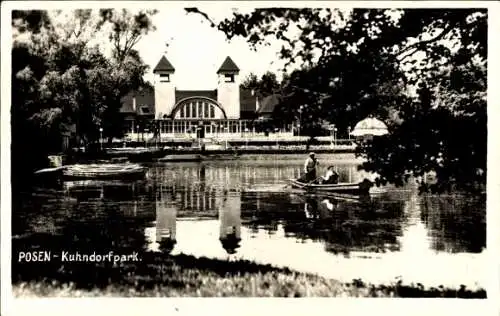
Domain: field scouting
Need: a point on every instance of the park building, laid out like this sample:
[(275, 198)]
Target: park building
[(228, 109)]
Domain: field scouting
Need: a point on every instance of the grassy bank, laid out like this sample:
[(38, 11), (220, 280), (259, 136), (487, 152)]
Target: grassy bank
[(187, 276)]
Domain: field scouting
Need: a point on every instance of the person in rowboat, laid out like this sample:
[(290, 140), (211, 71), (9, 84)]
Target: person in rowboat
[(310, 168), (331, 177)]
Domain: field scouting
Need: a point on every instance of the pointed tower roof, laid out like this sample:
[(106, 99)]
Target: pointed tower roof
[(228, 66), (164, 65)]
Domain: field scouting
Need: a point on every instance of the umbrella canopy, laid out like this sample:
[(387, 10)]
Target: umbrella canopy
[(370, 126)]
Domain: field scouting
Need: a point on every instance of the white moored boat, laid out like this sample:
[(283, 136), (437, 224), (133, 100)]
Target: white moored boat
[(104, 171)]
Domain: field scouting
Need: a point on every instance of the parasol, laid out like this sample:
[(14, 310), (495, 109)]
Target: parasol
[(370, 126)]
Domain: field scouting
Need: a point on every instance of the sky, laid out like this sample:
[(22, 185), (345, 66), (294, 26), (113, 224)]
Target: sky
[(197, 50), (193, 47)]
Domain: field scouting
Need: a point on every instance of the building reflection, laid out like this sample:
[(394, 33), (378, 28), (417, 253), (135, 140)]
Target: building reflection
[(202, 173), (201, 185), (166, 218), (210, 190), (230, 222), (227, 177), (265, 211), (104, 190)]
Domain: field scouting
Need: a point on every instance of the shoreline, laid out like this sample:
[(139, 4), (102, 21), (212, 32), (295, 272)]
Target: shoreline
[(153, 154), (163, 275)]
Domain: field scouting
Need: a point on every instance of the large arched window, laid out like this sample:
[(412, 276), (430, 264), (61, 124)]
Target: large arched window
[(198, 108)]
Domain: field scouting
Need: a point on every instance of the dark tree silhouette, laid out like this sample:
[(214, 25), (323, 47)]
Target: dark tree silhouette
[(61, 84), (371, 62)]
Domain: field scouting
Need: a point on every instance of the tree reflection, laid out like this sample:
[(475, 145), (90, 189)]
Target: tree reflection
[(85, 228), (342, 224), (455, 223)]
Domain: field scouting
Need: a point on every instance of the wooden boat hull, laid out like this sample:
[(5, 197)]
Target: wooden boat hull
[(346, 188), (49, 177), (50, 171), (104, 172)]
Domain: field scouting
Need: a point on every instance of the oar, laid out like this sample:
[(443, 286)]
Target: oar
[(310, 182)]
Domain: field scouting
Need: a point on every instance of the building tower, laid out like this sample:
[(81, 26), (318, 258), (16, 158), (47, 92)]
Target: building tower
[(164, 88), (228, 88)]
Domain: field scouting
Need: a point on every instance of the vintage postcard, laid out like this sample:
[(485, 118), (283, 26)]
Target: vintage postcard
[(248, 150)]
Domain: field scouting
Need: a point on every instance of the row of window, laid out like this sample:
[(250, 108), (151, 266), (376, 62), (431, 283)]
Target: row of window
[(192, 126), (197, 109)]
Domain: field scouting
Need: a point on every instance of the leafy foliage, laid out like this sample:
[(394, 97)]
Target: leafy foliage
[(372, 62), (267, 85), (31, 20), (62, 84), (126, 29)]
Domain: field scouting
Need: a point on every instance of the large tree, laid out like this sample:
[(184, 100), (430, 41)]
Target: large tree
[(370, 62), (61, 79)]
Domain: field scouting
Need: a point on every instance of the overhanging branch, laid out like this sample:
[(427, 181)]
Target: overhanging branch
[(422, 44), (203, 14)]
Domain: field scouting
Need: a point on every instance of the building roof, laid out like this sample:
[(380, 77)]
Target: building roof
[(145, 102), (127, 106), (268, 104), (228, 66), (146, 97), (248, 101), (182, 94), (164, 65)]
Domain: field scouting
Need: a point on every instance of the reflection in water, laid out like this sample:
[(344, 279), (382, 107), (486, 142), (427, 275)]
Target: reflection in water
[(202, 174), (414, 241), (105, 190), (455, 223), (204, 210), (166, 217), (311, 209), (230, 222), (330, 205)]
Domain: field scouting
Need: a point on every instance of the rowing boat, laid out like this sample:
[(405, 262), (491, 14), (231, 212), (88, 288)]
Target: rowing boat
[(104, 171), (347, 188)]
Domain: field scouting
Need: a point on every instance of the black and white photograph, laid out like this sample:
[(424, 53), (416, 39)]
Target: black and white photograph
[(247, 150)]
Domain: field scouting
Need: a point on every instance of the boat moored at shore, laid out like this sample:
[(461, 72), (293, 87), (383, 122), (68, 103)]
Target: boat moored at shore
[(104, 171)]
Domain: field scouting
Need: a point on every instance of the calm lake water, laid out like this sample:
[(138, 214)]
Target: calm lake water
[(241, 209)]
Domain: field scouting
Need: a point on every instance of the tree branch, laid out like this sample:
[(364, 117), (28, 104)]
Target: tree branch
[(117, 40), (135, 41), (421, 44), (196, 10), (127, 42), (80, 28)]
